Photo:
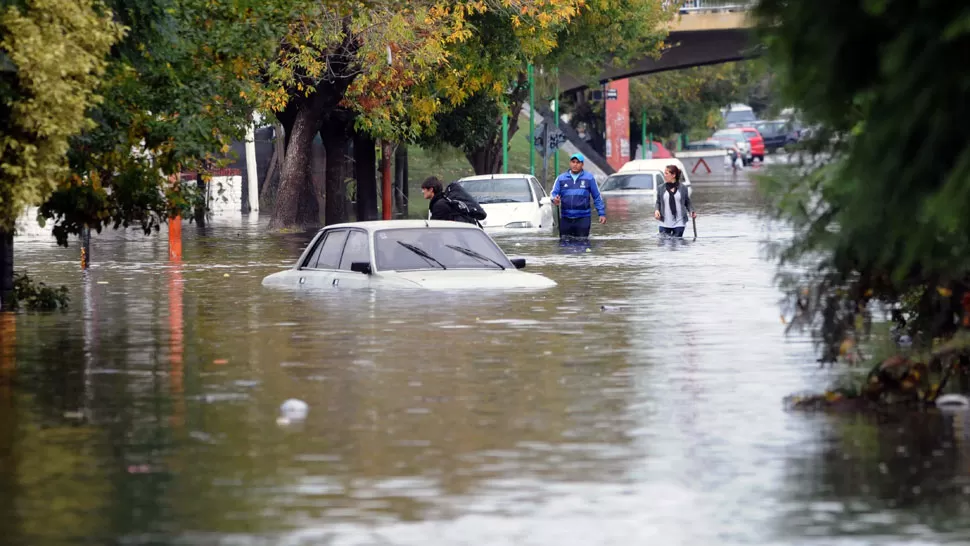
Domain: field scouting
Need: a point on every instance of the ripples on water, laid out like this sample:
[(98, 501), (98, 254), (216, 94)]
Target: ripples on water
[(639, 402)]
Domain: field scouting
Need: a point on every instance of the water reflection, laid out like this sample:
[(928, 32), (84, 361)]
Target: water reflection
[(637, 402)]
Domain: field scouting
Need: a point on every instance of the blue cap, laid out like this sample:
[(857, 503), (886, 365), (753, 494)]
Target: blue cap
[(578, 157)]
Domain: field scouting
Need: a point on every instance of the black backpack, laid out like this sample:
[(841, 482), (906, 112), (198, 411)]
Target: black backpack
[(463, 205)]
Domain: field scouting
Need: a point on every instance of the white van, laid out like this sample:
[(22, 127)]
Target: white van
[(737, 115)]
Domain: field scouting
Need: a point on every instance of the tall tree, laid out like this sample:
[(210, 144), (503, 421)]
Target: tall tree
[(178, 89), (369, 59), (881, 212), (44, 99)]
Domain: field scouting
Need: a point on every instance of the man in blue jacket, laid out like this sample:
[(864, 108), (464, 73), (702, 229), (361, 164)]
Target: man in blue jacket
[(571, 193)]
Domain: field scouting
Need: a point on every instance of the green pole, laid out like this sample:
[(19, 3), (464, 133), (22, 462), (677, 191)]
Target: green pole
[(680, 140), (556, 114), (532, 121), (505, 142), (643, 136)]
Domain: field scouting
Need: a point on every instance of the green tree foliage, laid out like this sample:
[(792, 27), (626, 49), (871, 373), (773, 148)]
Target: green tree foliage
[(177, 90), (579, 36), (52, 55), (881, 211)]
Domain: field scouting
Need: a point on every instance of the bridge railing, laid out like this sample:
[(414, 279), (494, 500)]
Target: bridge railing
[(708, 6)]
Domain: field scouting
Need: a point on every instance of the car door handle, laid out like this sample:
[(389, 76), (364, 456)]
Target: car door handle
[(334, 283), (302, 280)]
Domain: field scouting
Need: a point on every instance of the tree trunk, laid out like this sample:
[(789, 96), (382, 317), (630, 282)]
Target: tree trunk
[(336, 140), (296, 205), (365, 172), (487, 159), (271, 184), (401, 174), (201, 208), (6, 268)]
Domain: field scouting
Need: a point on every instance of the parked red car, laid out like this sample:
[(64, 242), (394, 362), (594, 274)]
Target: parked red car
[(757, 143)]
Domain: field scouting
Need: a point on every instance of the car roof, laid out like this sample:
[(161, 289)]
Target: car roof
[(378, 225), (495, 176), (650, 165)]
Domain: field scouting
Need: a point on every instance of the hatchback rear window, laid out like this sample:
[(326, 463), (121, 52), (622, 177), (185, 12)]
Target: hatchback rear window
[(750, 134)]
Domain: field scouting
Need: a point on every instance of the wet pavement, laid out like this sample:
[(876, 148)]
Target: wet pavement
[(639, 402)]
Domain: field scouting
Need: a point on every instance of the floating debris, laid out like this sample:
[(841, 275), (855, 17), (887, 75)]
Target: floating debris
[(292, 410)]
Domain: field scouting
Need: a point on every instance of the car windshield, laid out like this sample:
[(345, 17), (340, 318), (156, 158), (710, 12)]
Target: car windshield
[(706, 145), (739, 116), (638, 181), (728, 142), (498, 190), (437, 248), (750, 134)]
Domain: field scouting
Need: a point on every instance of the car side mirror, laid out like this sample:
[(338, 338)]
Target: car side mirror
[(361, 267), (545, 200), (519, 263)]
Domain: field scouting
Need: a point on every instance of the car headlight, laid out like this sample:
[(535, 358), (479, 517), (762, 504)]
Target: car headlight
[(519, 225)]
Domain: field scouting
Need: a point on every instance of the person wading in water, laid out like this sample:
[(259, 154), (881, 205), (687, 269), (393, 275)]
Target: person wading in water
[(673, 203), (572, 192)]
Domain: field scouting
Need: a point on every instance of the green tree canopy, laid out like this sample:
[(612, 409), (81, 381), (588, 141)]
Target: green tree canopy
[(44, 98), (882, 211)]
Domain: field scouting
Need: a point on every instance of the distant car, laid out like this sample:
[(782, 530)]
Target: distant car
[(406, 254), (642, 177), (511, 201), (777, 134), (757, 142), (736, 138)]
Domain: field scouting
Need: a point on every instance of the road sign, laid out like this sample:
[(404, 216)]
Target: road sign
[(556, 139)]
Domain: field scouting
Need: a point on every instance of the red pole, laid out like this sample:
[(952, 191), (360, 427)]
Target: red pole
[(386, 182), (175, 229), (175, 343), (175, 238)]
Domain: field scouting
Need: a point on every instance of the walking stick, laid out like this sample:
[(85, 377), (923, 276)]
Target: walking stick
[(693, 222)]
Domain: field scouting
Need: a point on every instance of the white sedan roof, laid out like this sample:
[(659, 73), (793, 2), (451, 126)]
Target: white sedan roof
[(377, 225), (495, 176), (650, 165)]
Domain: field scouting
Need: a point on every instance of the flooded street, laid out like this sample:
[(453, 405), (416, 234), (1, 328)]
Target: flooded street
[(639, 402)]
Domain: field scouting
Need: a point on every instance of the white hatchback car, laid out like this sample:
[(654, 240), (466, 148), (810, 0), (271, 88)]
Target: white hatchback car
[(429, 254), (511, 201)]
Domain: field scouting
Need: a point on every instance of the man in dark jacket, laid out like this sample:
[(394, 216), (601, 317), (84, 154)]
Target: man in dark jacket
[(571, 193), (439, 208)]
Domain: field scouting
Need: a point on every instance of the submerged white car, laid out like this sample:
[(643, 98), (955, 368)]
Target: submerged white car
[(426, 254), (511, 201), (642, 177)]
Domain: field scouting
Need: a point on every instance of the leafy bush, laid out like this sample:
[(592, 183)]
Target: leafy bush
[(37, 296)]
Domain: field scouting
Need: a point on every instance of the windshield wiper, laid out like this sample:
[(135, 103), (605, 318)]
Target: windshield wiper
[(421, 252), (473, 254)]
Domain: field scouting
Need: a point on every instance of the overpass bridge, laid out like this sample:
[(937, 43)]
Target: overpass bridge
[(704, 32)]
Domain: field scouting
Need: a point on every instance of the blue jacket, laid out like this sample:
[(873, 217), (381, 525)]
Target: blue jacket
[(575, 195)]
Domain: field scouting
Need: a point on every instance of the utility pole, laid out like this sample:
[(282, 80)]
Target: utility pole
[(505, 143), (532, 120), (555, 112)]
